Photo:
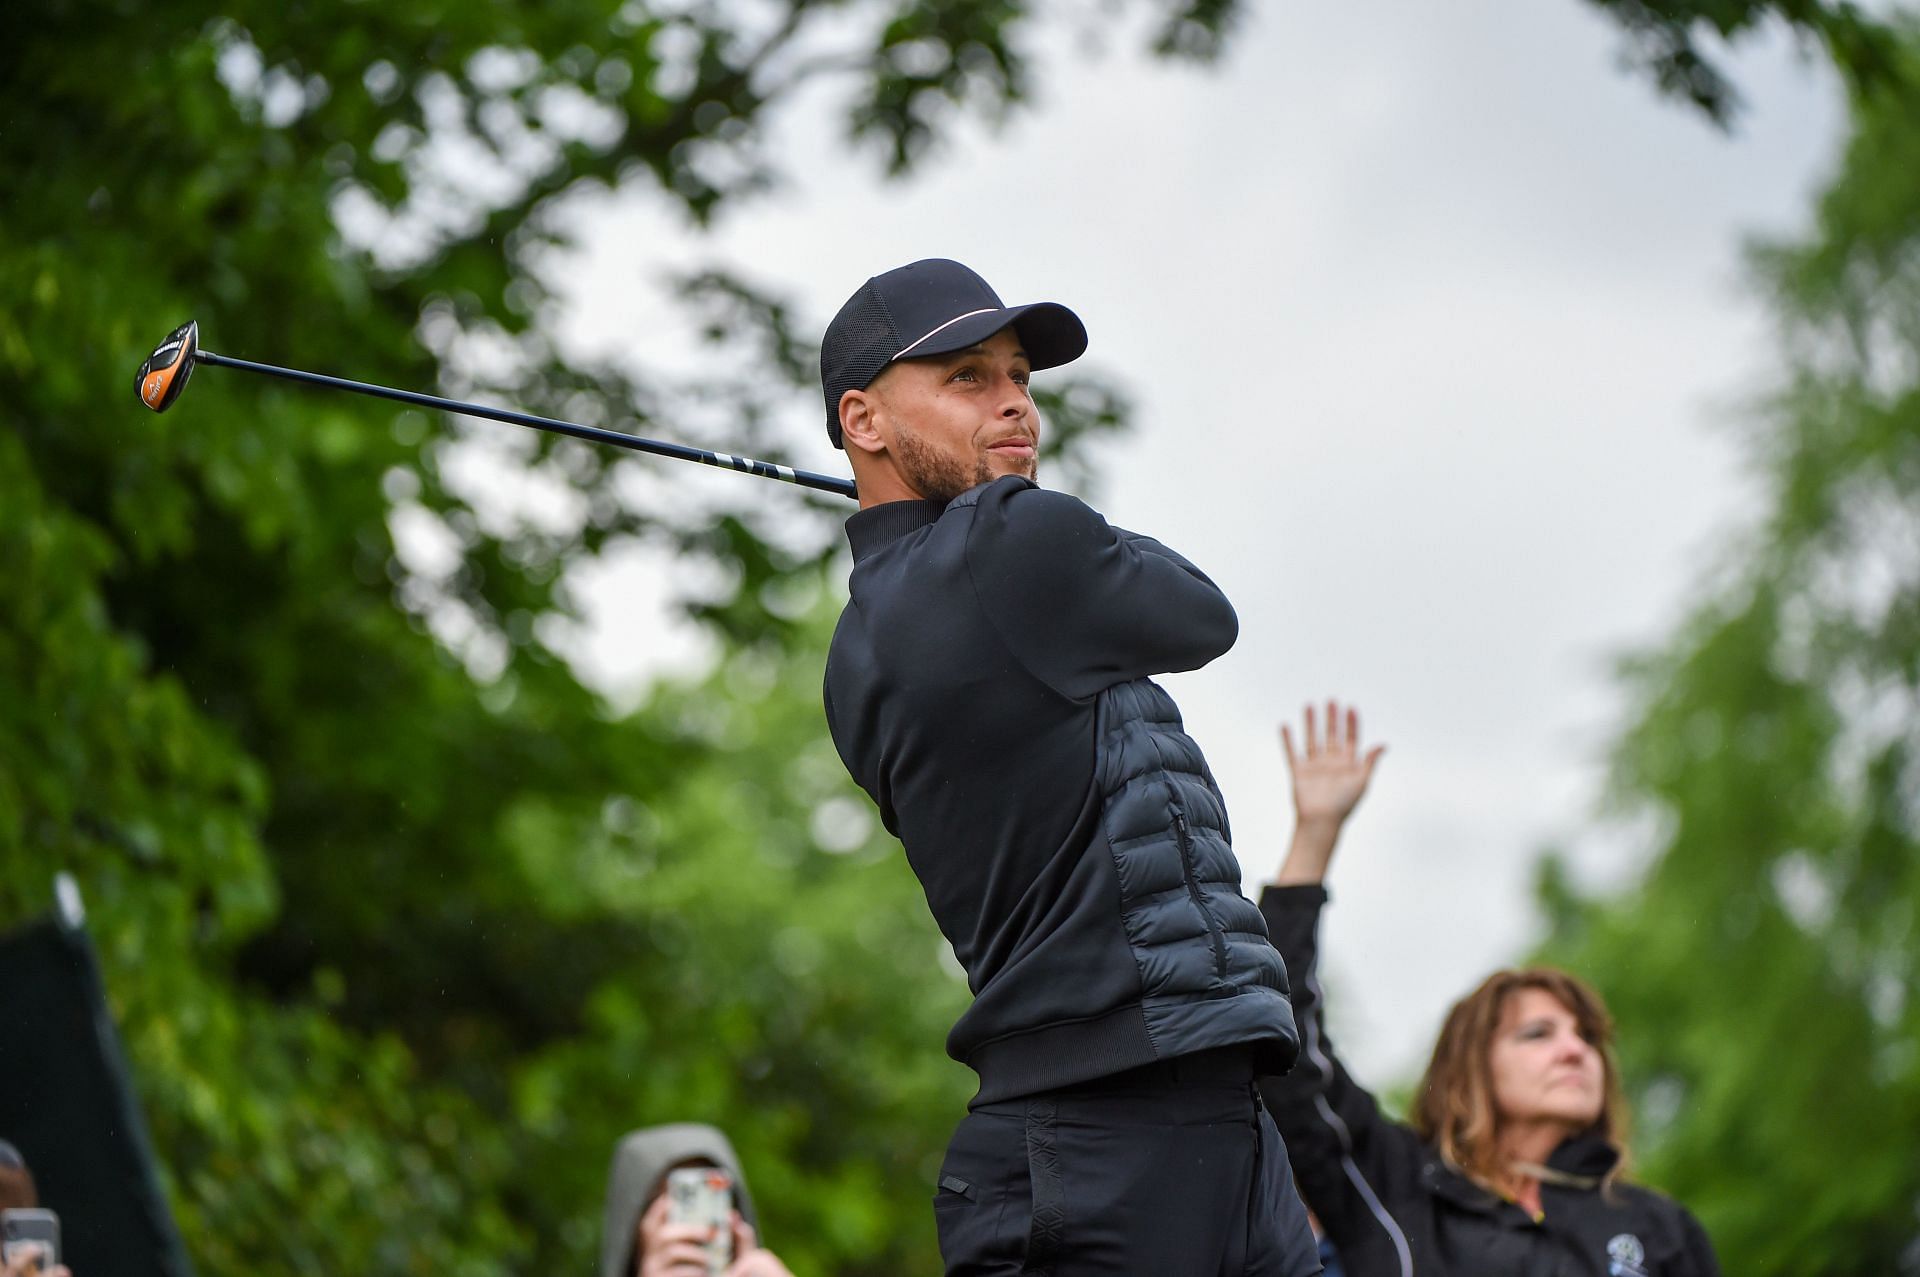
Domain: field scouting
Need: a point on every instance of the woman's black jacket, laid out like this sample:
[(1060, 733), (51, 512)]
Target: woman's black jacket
[(1395, 1210)]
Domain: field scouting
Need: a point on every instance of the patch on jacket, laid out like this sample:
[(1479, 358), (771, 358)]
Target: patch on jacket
[(1626, 1256)]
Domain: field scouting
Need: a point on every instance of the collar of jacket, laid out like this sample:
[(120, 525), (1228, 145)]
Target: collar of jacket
[(879, 526), (1584, 1157)]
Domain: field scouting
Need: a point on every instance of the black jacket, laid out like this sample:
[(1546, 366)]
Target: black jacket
[(987, 685), (1393, 1209)]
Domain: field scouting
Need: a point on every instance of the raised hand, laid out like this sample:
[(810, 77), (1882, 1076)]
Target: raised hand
[(1330, 776)]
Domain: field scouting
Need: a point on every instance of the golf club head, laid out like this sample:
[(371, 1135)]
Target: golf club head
[(165, 374)]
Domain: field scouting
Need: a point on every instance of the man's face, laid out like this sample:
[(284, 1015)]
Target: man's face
[(953, 421)]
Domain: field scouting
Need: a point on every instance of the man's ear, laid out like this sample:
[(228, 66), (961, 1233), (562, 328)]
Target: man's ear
[(859, 426)]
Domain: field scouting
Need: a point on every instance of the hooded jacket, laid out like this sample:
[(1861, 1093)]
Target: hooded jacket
[(1393, 1208), (640, 1164), (989, 686)]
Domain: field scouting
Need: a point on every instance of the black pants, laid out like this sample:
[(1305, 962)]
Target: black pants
[(1172, 1170)]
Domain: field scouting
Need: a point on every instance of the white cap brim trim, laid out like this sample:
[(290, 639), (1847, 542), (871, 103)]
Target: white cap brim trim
[(908, 349)]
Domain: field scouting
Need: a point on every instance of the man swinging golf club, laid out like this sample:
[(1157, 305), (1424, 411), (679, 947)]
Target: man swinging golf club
[(989, 686)]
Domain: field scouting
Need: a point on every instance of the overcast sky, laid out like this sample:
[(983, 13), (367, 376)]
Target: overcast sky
[(1436, 321)]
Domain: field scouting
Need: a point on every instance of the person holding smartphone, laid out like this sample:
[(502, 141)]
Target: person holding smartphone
[(1510, 1164), (643, 1238)]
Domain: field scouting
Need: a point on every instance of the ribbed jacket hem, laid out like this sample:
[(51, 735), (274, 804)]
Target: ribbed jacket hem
[(1057, 1055)]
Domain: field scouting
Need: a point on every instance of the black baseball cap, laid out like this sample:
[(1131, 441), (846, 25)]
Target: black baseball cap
[(932, 307)]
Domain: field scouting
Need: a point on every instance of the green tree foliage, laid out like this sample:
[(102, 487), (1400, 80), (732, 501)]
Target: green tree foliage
[(1765, 971), (1666, 38)]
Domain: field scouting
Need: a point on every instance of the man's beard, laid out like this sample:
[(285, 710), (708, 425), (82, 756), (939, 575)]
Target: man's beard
[(939, 477)]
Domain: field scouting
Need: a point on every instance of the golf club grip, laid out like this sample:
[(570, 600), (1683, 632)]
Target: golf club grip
[(592, 434)]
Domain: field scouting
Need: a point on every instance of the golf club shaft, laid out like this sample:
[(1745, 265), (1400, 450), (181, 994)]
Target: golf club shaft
[(745, 465)]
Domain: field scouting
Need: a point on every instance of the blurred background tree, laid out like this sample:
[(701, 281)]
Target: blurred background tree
[(1672, 41), (1766, 967), (403, 924)]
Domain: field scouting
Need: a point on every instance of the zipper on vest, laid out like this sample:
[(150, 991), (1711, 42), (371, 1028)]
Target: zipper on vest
[(1184, 837)]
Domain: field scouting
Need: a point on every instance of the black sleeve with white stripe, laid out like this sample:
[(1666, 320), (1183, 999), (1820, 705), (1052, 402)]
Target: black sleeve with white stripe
[(1354, 1165)]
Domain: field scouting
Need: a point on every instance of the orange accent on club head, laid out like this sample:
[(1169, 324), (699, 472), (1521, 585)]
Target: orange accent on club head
[(164, 374)]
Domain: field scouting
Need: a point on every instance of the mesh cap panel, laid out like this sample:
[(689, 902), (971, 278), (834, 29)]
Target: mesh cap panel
[(859, 344)]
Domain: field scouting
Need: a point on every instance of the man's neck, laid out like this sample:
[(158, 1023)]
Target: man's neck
[(882, 485)]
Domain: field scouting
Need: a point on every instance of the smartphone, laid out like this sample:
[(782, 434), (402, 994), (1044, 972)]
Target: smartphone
[(25, 1227), (703, 1195)]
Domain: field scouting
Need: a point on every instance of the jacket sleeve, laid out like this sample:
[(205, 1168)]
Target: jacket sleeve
[(1083, 604), (1353, 1164)]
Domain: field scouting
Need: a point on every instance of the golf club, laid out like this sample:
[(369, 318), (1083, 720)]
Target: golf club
[(164, 376)]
